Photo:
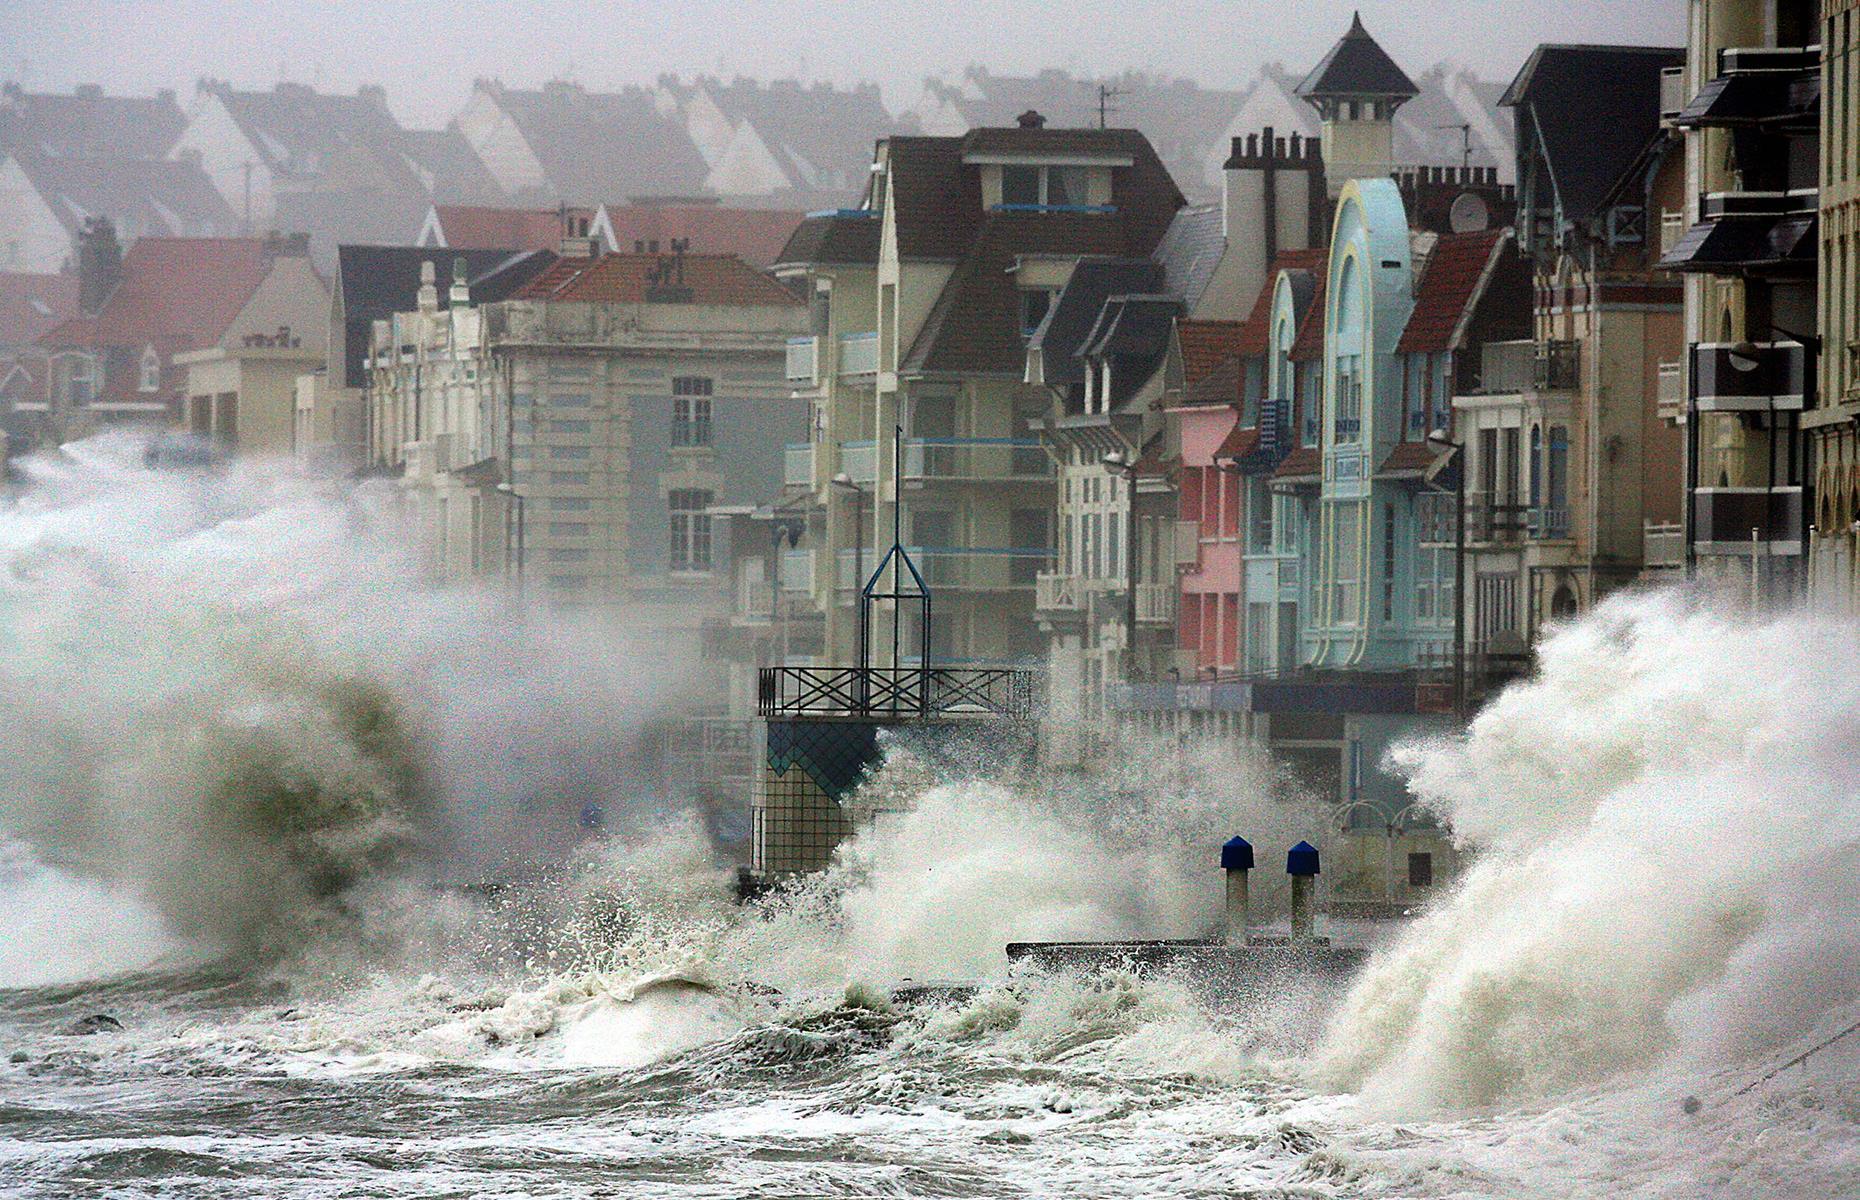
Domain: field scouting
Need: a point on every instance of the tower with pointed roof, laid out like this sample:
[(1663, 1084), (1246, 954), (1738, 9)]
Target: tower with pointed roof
[(1356, 90)]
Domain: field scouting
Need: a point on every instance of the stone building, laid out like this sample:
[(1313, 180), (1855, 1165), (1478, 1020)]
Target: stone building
[(1832, 421)]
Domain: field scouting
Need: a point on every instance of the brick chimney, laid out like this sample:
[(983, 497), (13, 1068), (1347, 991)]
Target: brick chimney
[(1030, 120), (100, 264)]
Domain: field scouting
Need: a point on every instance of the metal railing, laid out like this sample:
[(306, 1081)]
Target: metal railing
[(985, 459), (798, 464), (1155, 604), (797, 570), (1547, 524), (1663, 545), (1505, 367), (1672, 393), (804, 360), (860, 461), (919, 692), (858, 354), (1557, 367)]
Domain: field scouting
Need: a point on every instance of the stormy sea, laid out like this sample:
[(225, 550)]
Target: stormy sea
[(290, 910)]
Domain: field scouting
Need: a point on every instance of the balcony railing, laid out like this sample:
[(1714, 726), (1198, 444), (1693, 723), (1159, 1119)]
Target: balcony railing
[(797, 570), (1490, 520), (1747, 520), (804, 360), (858, 354), (1557, 367), (1547, 524), (798, 464), (1188, 543), (1057, 593), (902, 692), (980, 568), (1672, 92), (1672, 394), (1155, 604), (1663, 545), (859, 460), (1747, 378), (1505, 367), (991, 460)]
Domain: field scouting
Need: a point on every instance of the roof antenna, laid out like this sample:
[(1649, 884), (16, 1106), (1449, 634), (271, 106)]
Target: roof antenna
[(1465, 143), (1106, 93)]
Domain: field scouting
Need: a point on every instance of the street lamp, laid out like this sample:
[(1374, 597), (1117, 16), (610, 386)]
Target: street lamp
[(1118, 464), (516, 510), (1450, 455)]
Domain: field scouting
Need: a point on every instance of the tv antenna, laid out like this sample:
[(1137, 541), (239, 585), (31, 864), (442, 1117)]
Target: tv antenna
[(1106, 93)]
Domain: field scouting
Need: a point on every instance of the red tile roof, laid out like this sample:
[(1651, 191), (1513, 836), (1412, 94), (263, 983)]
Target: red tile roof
[(32, 304), (1310, 341), (624, 279), (176, 293), (1219, 386), (1238, 444), (1407, 457), (1258, 324), (755, 235), (471, 227), (1449, 287), (1302, 463), (1205, 346)]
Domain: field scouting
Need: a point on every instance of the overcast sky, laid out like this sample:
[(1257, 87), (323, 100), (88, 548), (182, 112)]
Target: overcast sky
[(427, 52)]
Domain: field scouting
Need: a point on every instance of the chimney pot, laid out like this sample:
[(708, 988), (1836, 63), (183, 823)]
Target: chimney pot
[(1030, 120)]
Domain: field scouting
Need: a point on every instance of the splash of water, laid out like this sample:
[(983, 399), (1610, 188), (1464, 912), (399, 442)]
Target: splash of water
[(1668, 825), (234, 695)]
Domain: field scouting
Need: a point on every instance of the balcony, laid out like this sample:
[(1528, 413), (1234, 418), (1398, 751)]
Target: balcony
[(1747, 520), (981, 460), (859, 460), (1155, 604), (1188, 544), (858, 354), (1748, 377), (942, 692), (1764, 233), (1546, 524), (1057, 593), (804, 361), (1663, 545), (1672, 393), (980, 568), (798, 465), (1556, 366), (1505, 367), (1672, 93), (797, 570), (1493, 521)]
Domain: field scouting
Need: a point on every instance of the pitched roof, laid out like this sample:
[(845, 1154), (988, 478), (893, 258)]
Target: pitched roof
[(755, 235), (1238, 443), (475, 227), (32, 304), (1074, 315), (936, 205), (175, 293), (594, 145), (1594, 109), (850, 238), (717, 279), (301, 133), (1408, 458), (88, 124), (821, 136), (1219, 385), (447, 166), (1357, 66), (142, 197), (1205, 345), (1309, 343), (1255, 331), (1449, 288), (974, 327), (374, 282), (1190, 251)]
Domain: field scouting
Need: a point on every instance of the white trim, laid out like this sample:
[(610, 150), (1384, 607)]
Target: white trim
[(1035, 158)]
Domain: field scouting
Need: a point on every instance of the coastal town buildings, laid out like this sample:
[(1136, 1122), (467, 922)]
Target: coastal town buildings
[(1832, 419), (30, 306), (1751, 115)]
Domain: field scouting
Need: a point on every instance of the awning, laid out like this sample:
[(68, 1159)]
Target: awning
[(1732, 243), (1752, 98)]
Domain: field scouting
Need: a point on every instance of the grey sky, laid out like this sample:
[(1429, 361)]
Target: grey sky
[(426, 52)]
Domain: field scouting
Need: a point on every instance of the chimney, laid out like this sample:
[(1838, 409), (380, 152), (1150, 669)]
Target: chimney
[(460, 294), (429, 290), (1030, 120), (88, 91), (100, 264)]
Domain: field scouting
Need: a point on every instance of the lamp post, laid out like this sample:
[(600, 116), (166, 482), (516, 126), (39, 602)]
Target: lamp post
[(516, 510), (785, 533), (1117, 464), (1452, 456)]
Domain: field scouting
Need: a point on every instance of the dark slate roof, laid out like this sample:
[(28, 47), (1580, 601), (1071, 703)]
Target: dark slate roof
[(1074, 315), (302, 133), (1595, 108), (937, 206), (449, 168), (1133, 331), (1256, 330), (974, 327), (851, 240), (89, 124), (821, 136), (1357, 66), (1190, 250), (376, 282), (1450, 288)]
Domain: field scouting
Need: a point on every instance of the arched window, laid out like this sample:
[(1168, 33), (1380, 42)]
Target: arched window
[(1558, 467), (150, 373)]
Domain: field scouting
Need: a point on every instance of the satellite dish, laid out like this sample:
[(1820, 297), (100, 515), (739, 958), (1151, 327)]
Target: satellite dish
[(1469, 213)]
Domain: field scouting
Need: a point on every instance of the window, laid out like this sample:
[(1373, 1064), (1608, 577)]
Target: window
[(149, 377), (691, 420), (569, 426), (570, 452), (1420, 870), (1349, 424), (690, 529), (1020, 185), (1346, 581), (1388, 562), (691, 385), (1065, 186), (1050, 187), (570, 504), (569, 529)]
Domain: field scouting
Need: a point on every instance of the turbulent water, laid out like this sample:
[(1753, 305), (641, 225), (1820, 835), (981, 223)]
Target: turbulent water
[(249, 757)]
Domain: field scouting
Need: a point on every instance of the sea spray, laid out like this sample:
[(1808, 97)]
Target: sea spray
[(1668, 824), (235, 694)]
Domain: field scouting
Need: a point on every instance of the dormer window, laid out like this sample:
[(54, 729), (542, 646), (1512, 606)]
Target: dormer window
[(1034, 302), (149, 374), (1024, 186)]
